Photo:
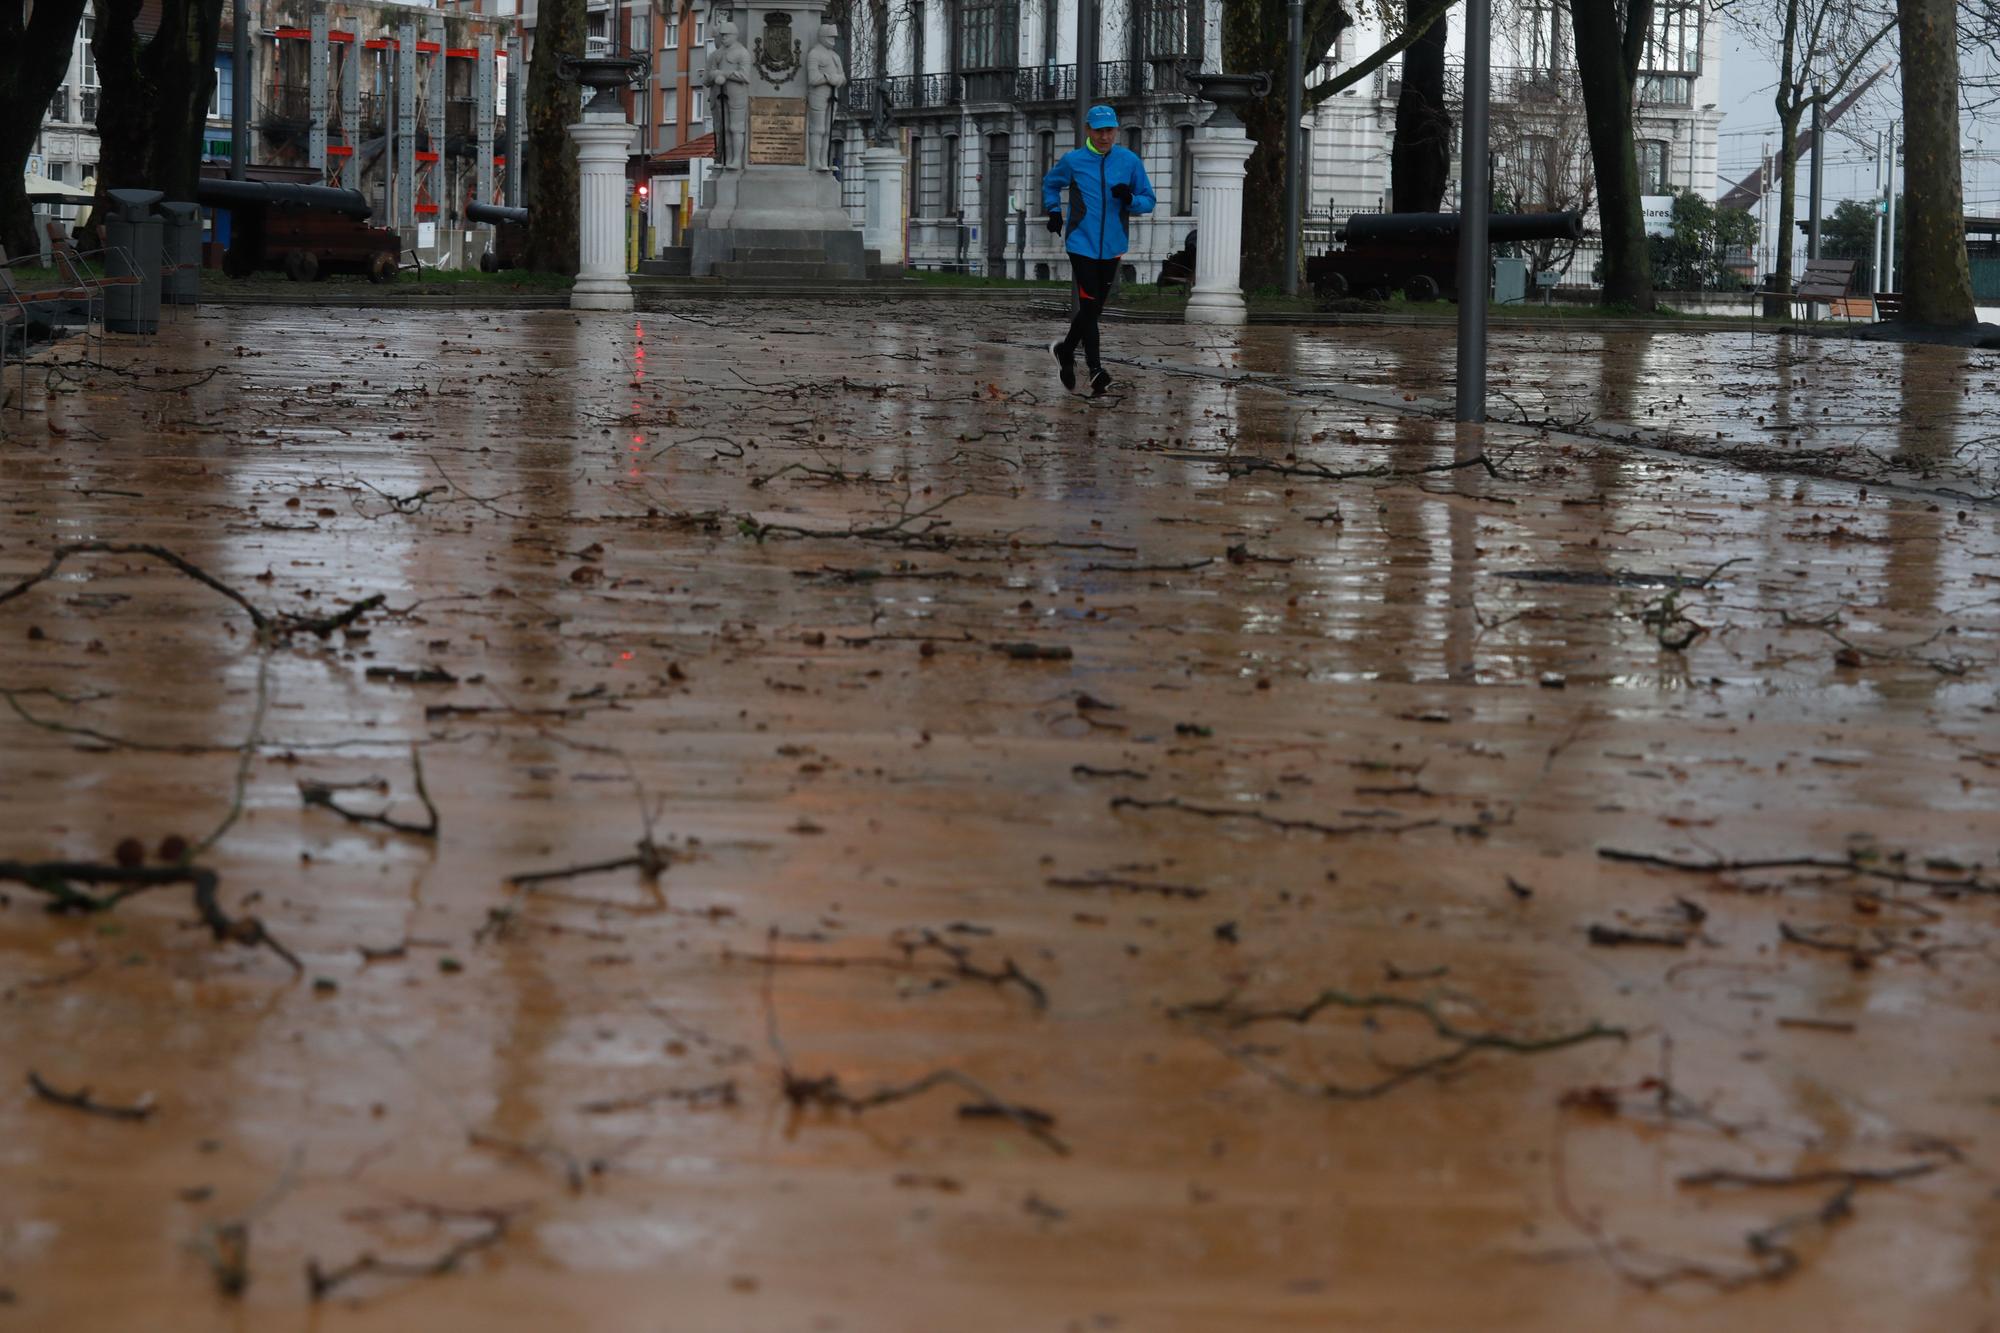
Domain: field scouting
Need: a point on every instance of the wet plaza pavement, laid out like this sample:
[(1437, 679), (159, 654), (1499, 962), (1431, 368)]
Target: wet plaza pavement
[(875, 842)]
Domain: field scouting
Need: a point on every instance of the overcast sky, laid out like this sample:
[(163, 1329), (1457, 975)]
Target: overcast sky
[(1750, 124)]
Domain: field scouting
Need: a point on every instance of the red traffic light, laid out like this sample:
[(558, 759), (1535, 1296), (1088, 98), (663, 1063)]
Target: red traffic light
[(645, 190)]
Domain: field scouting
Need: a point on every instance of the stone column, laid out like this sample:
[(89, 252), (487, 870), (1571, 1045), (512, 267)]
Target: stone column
[(882, 176), (603, 142), (1221, 160)]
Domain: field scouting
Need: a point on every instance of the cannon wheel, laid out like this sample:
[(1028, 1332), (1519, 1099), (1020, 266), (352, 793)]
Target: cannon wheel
[(1421, 288), (301, 266), (489, 262), (382, 268), (238, 262), (1333, 284)]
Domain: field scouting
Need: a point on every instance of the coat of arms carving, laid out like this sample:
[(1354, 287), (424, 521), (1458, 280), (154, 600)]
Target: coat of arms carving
[(778, 53)]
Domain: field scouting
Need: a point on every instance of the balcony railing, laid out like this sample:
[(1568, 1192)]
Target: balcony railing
[(1027, 85)]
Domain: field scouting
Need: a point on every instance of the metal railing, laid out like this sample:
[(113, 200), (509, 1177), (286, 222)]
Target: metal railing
[(1026, 85), (1521, 84)]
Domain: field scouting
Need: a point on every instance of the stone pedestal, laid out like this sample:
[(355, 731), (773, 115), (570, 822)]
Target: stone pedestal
[(882, 179), (775, 216), (1221, 159), (603, 142)]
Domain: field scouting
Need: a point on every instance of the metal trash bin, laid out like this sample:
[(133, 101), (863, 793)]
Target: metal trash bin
[(134, 234), (181, 253), (1510, 281)]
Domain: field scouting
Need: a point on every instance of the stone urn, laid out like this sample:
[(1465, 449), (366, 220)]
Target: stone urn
[(608, 74), (1226, 92)]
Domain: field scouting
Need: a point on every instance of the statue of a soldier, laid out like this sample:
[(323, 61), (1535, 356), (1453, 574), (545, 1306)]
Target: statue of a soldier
[(824, 79), (728, 78)]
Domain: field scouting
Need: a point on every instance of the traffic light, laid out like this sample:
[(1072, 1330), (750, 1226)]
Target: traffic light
[(645, 192)]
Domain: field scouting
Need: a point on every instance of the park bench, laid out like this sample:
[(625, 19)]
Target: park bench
[(1825, 282), (1888, 305)]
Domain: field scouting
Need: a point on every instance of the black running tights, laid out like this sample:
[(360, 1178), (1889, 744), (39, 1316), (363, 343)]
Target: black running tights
[(1093, 286)]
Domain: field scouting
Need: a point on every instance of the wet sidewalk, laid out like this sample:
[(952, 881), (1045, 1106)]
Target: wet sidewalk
[(875, 842)]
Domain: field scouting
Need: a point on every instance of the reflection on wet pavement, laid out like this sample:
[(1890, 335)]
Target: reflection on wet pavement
[(919, 849)]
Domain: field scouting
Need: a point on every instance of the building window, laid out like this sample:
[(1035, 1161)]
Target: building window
[(701, 28), (950, 184), (670, 108), (59, 105), (1184, 175), (1171, 28), (918, 24), (1045, 154), (988, 34), (697, 100), (1050, 28), (1653, 166), (56, 170), (1673, 41), (1545, 37), (86, 56), (672, 41), (1132, 137)]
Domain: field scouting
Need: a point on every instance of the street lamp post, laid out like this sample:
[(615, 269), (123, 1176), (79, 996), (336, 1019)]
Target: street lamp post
[(1294, 109), (1473, 193)]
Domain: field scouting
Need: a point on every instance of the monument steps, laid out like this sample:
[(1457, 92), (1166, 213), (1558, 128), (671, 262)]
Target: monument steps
[(779, 270)]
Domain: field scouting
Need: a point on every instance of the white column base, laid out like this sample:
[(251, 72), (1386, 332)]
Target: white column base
[(882, 174), (603, 143), (1221, 160)]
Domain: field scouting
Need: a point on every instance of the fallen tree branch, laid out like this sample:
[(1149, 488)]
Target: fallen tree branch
[(58, 879), (1464, 1044), (827, 1092), (271, 626), (1260, 817), (492, 1229), (1855, 864), (1243, 467)]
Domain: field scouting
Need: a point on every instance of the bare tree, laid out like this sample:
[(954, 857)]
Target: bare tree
[(1610, 42), (155, 92), (1540, 143), (1820, 47), (37, 43)]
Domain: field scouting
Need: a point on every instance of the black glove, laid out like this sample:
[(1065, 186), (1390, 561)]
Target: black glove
[(1122, 193), (1055, 221)]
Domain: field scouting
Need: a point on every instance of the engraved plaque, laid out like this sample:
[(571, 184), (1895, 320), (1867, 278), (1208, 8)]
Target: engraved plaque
[(777, 132)]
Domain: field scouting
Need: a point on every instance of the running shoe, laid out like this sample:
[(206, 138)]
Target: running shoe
[(1065, 365)]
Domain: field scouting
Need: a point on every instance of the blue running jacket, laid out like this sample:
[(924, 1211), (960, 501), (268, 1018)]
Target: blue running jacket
[(1098, 230)]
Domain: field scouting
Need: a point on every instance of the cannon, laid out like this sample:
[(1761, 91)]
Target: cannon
[(302, 231), (510, 234), (1417, 253)]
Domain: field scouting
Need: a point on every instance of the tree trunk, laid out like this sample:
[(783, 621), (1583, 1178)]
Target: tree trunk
[(1607, 58), (1253, 40), (1936, 277), (1420, 160), (1788, 198), (29, 78), (554, 103), (153, 107)]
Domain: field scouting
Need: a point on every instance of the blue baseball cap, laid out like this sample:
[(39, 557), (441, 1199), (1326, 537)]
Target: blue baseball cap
[(1101, 117)]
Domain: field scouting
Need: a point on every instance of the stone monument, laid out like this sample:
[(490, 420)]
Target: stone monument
[(776, 209)]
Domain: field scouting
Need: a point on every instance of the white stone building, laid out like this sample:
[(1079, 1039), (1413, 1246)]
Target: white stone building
[(67, 144), (981, 95), (1541, 155)]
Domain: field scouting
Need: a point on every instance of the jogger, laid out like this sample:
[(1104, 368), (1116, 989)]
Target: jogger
[(1111, 185)]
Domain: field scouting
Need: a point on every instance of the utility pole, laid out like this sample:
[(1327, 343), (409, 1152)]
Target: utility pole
[(1295, 80), (1889, 203), (1818, 171), (1764, 217), (1474, 194), (1875, 253), (239, 91)]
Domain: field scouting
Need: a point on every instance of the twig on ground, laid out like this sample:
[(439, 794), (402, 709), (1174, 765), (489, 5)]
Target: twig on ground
[(325, 796), (81, 1100), (492, 1224), (1273, 821)]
